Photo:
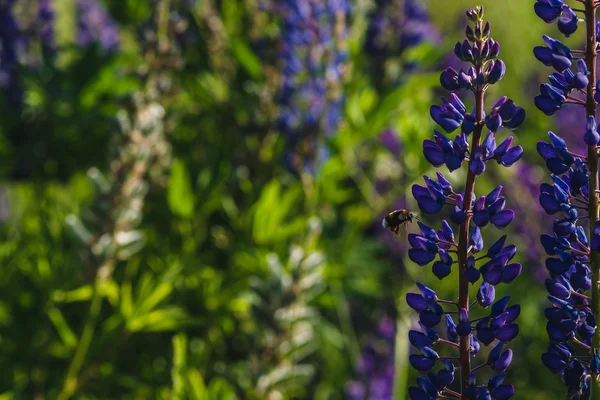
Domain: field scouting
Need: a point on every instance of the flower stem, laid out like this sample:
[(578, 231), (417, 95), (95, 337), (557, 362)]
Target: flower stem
[(447, 342), (71, 382), (452, 392), (590, 61), (463, 241)]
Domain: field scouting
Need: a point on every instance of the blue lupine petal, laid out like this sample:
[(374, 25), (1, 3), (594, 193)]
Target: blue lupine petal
[(419, 339), (503, 392), (421, 363), (486, 295), (420, 256), (554, 362), (503, 361), (496, 381), (500, 306), (502, 219), (417, 394), (429, 318), (416, 302), (567, 23), (441, 270), (507, 333), (433, 154), (546, 12), (511, 272), (427, 386)]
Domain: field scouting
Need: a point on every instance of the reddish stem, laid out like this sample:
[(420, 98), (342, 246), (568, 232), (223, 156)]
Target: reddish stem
[(463, 242), (448, 342)]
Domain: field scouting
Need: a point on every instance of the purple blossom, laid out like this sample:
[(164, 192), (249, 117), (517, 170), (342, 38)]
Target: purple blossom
[(312, 61), (375, 380), (11, 40), (466, 251), (94, 25), (397, 25), (46, 24), (571, 316)]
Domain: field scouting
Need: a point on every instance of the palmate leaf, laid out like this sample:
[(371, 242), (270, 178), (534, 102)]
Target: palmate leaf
[(141, 313), (271, 212), (290, 380), (164, 319), (300, 345)]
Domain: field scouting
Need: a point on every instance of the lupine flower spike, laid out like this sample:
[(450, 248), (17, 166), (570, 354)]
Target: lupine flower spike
[(573, 260), (446, 358)]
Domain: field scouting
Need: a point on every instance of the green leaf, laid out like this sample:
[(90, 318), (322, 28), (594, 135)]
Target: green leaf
[(246, 57), (83, 293), (63, 329), (180, 195), (165, 319), (220, 389), (179, 365), (196, 385)]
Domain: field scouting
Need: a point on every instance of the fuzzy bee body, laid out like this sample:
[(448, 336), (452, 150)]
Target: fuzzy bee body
[(397, 218)]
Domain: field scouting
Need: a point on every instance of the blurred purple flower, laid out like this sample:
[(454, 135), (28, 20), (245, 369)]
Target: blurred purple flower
[(46, 24), (11, 39), (389, 139), (376, 365), (396, 25), (313, 57), (96, 26)]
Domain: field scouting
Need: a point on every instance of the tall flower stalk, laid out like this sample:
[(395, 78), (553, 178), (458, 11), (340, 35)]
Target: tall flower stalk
[(467, 326), (574, 263), (313, 57)]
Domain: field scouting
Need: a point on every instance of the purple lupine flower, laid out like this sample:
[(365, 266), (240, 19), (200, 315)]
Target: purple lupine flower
[(94, 25), (397, 25), (46, 25), (375, 379), (313, 56), (571, 197), (11, 40), (463, 248)]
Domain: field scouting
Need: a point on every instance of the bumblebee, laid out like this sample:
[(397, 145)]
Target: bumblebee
[(398, 218)]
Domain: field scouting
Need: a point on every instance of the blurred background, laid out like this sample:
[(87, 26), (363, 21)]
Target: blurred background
[(192, 194)]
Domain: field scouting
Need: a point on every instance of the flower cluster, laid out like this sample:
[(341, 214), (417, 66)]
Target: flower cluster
[(464, 250), (571, 318), (313, 56), (498, 326)]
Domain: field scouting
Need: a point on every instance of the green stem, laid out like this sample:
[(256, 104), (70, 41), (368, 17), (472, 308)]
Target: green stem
[(71, 382), (592, 160)]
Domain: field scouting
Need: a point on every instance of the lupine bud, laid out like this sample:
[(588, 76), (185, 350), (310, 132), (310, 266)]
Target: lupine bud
[(497, 72)]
